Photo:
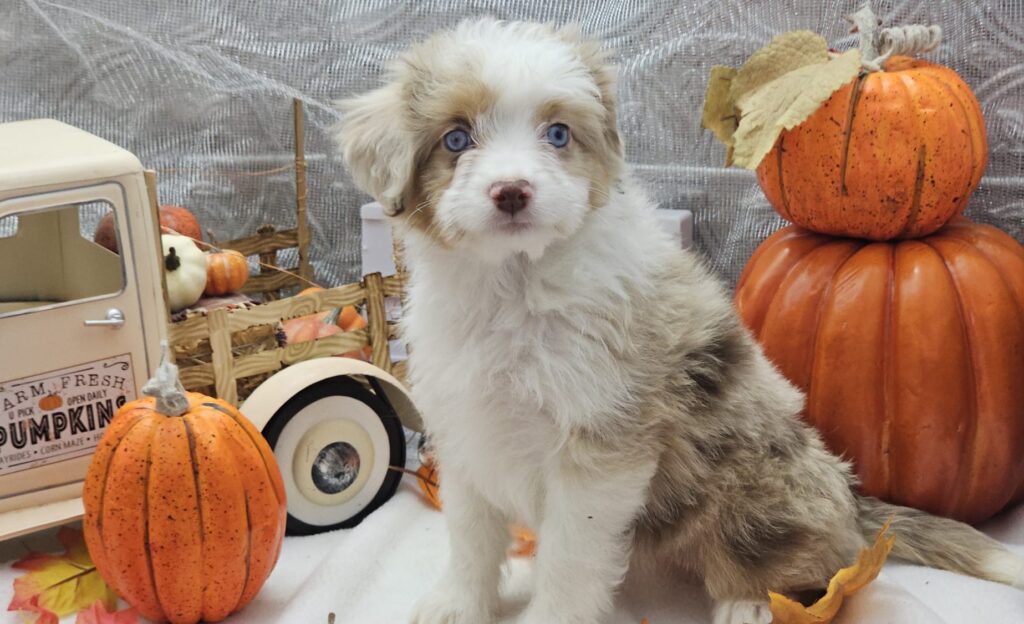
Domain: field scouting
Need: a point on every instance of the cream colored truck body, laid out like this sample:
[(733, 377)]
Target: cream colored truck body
[(52, 281)]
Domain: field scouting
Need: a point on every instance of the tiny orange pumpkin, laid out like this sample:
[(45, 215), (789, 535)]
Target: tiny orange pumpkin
[(226, 272), (50, 402)]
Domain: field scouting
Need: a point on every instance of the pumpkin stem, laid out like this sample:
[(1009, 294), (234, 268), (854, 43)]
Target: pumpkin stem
[(876, 46), (172, 261), (165, 386)]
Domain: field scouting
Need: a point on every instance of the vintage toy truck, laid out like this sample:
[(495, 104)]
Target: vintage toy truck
[(80, 329)]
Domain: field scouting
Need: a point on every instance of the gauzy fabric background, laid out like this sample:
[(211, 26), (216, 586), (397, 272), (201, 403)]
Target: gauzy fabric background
[(201, 91)]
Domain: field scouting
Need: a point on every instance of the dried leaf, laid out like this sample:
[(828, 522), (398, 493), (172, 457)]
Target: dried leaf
[(525, 542), (783, 54), (719, 114), (845, 583), (57, 585), (98, 614), (785, 103), (426, 474)]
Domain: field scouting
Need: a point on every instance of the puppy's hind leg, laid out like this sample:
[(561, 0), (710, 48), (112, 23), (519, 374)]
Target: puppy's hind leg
[(467, 592), (754, 553)]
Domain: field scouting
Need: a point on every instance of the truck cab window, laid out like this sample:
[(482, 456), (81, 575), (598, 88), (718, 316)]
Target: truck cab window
[(51, 256)]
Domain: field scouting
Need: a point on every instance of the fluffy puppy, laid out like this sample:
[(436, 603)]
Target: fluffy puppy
[(576, 371)]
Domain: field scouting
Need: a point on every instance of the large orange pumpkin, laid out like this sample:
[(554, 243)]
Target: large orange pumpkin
[(184, 514), (911, 354), (894, 154), (226, 272)]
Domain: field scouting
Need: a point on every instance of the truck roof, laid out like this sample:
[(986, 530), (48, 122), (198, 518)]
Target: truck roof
[(40, 152)]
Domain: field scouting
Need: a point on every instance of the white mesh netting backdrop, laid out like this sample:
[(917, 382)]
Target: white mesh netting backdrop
[(201, 91)]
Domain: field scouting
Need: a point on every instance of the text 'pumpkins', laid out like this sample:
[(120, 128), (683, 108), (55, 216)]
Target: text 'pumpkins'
[(911, 354), (184, 505)]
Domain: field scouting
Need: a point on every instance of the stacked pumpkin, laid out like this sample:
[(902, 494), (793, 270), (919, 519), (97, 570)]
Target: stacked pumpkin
[(901, 321)]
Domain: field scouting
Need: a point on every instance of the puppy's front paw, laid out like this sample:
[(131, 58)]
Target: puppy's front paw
[(741, 612), (450, 606)]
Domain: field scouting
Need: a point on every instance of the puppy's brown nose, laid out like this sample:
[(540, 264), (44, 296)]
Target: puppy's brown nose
[(511, 196)]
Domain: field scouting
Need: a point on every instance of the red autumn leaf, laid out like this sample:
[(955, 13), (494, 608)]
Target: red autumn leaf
[(98, 614), (58, 585)]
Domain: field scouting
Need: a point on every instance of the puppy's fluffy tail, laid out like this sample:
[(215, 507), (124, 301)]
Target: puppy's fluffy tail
[(941, 543)]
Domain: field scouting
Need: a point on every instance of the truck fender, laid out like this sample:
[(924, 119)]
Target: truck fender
[(273, 393)]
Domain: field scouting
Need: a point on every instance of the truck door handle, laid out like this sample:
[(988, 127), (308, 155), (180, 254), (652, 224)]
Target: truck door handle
[(115, 319)]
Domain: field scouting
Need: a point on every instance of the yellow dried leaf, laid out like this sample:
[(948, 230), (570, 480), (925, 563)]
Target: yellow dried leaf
[(783, 54), (57, 585), (785, 103), (719, 114), (845, 583), (430, 483)]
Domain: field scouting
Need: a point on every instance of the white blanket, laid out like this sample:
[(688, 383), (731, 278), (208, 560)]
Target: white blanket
[(374, 573)]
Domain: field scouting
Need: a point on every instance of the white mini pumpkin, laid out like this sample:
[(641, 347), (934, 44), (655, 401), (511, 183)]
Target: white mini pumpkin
[(184, 270)]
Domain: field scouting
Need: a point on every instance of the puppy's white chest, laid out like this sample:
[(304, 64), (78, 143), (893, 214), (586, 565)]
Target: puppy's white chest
[(505, 458), (487, 405)]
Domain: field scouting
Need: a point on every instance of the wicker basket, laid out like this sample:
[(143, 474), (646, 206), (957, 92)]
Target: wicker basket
[(228, 352)]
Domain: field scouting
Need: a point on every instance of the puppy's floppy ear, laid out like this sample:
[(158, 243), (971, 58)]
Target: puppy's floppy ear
[(595, 58), (379, 151)]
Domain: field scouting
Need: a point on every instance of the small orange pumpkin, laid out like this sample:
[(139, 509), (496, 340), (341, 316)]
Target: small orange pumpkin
[(323, 324), (50, 402), (310, 327), (226, 272), (184, 505), (894, 154)]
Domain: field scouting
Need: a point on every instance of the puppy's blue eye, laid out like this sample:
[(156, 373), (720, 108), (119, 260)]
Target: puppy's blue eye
[(558, 135), (457, 140)]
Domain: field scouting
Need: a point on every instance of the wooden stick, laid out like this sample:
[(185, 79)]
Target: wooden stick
[(268, 259), (223, 360), (154, 205), (305, 269), (377, 320), (260, 243)]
